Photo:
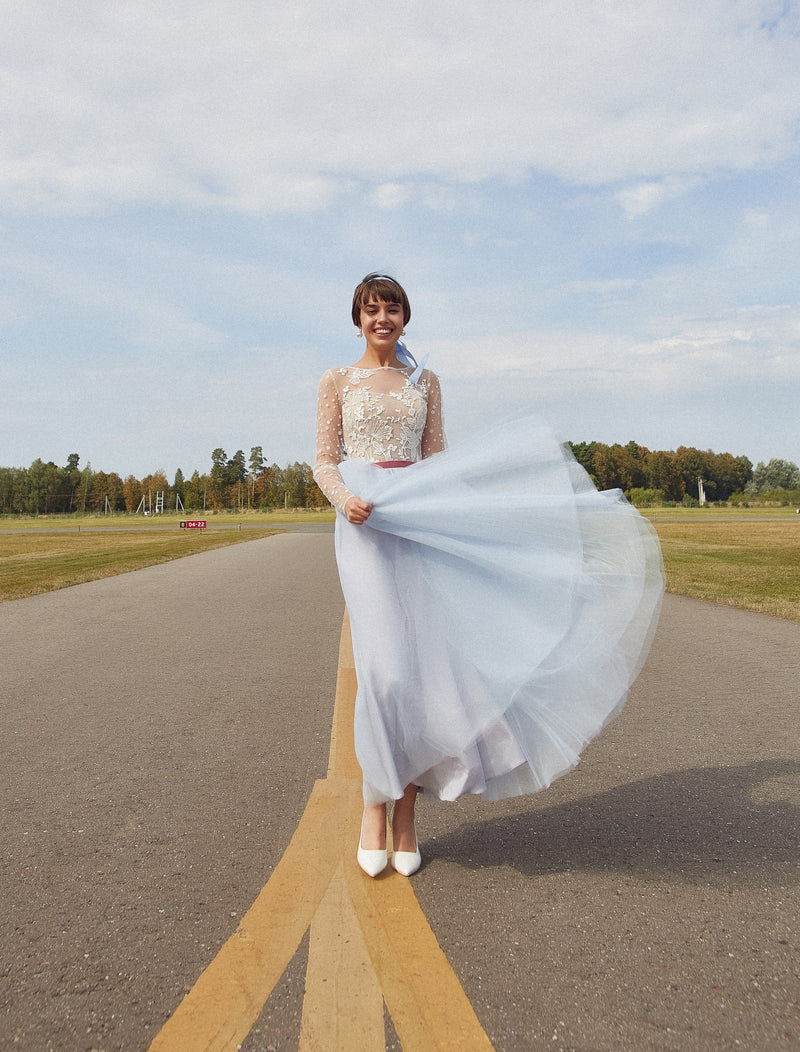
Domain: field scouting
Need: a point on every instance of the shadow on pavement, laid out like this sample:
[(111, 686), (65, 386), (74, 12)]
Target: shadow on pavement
[(726, 826)]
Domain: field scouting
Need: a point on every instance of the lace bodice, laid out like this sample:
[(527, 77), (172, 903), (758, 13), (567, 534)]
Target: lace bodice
[(374, 414)]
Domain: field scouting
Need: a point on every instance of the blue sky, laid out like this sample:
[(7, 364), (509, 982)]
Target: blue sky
[(593, 206)]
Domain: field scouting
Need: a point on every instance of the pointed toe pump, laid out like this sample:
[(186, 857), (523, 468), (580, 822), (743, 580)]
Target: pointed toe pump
[(372, 860), (407, 862)]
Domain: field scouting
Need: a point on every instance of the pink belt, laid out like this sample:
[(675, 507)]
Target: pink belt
[(393, 463)]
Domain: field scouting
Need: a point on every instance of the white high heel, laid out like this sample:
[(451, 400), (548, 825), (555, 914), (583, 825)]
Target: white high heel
[(372, 860), (407, 862)]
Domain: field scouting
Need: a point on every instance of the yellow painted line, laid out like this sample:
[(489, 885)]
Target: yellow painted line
[(343, 1006), (342, 761), (370, 941), (428, 1006), (219, 1011)]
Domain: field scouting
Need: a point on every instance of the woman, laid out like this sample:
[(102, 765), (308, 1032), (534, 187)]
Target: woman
[(500, 606)]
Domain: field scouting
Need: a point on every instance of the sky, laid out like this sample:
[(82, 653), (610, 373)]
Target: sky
[(593, 206)]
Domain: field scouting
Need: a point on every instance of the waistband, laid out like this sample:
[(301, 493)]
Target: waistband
[(393, 463)]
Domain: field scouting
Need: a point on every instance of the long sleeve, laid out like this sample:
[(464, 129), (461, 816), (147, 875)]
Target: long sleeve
[(329, 443), (433, 440)]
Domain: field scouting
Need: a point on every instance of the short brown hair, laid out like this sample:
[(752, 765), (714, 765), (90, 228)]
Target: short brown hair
[(382, 288)]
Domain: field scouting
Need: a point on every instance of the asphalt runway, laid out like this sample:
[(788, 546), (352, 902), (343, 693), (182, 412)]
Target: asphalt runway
[(162, 733)]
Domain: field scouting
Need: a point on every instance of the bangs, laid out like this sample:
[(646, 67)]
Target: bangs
[(379, 291)]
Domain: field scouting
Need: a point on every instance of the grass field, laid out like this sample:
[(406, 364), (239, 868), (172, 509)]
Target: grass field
[(750, 564), (32, 562), (710, 513), (745, 557), (121, 520)]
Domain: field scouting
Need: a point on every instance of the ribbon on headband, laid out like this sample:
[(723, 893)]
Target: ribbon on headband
[(407, 358)]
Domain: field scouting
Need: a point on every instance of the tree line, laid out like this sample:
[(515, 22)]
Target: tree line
[(241, 483), (661, 476), (237, 483)]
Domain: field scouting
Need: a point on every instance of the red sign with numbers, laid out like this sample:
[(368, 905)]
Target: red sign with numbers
[(193, 524)]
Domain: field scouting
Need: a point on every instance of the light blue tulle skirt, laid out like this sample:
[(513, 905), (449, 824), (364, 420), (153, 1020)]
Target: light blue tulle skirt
[(500, 608)]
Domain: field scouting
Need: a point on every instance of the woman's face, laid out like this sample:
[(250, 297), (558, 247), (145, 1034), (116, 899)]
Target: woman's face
[(382, 324)]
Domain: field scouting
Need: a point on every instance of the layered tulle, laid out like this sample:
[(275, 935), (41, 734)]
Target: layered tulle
[(500, 608)]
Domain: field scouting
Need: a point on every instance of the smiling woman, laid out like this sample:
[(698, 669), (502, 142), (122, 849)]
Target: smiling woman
[(500, 606)]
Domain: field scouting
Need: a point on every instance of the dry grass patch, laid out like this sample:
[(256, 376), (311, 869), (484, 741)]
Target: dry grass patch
[(752, 565), (130, 521), (31, 563)]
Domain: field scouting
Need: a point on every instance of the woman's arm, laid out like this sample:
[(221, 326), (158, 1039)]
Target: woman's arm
[(329, 454), (433, 440)]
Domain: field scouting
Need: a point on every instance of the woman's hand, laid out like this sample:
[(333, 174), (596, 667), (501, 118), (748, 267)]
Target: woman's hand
[(357, 510)]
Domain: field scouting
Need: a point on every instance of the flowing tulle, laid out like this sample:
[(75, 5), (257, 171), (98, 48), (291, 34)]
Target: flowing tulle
[(500, 608)]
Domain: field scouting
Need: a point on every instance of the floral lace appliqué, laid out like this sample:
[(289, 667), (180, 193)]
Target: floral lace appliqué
[(375, 415), (380, 423)]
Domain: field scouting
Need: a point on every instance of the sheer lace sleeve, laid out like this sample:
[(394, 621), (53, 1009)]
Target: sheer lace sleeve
[(329, 443), (433, 440)]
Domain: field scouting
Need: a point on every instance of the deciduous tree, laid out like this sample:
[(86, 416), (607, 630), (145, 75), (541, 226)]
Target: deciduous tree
[(131, 493), (777, 474)]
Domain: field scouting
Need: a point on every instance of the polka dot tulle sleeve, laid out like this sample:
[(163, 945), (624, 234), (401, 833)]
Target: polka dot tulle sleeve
[(330, 448), (433, 440)]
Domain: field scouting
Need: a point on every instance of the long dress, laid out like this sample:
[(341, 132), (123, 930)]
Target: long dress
[(500, 606)]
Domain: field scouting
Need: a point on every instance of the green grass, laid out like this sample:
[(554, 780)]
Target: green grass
[(752, 565), (711, 512), (744, 557), (123, 520), (32, 562)]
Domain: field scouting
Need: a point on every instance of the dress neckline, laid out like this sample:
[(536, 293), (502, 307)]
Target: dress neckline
[(379, 368)]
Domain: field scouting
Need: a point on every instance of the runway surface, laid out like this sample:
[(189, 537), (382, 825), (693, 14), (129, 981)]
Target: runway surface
[(165, 734)]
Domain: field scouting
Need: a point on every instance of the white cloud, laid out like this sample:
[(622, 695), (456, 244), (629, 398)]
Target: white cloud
[(274, 108), (640, 198), (389, 195), (757, 344), (702, 385), (197, 187)]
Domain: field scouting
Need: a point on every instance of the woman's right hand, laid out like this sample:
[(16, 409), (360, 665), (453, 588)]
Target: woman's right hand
[(357, 510)]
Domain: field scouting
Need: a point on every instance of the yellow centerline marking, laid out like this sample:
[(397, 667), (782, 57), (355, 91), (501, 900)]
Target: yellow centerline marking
[(370, 941), (343, 1006)]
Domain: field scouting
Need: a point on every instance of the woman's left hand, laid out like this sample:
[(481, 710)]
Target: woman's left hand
[(357, 510)]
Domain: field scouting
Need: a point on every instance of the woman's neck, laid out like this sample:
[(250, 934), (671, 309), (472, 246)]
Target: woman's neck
[(378, 359)]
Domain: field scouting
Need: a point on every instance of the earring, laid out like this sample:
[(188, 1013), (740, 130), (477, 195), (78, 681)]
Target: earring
[(359, 334), (403, 332)]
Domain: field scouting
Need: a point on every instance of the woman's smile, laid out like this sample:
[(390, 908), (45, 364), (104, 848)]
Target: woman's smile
[(381, 321)]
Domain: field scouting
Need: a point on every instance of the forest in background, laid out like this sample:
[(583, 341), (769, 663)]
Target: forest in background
[(232, 484), (239, 483)]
